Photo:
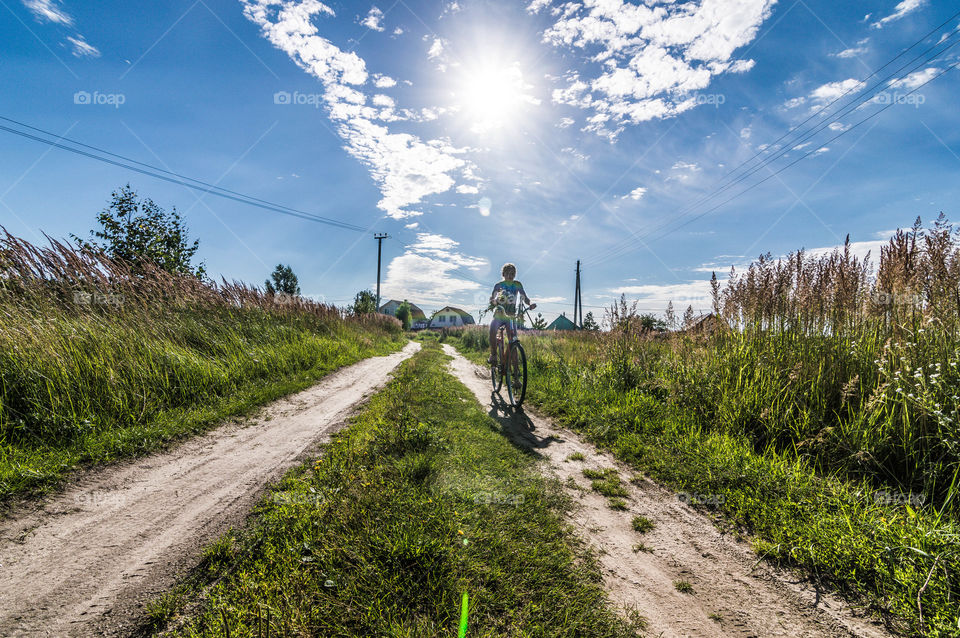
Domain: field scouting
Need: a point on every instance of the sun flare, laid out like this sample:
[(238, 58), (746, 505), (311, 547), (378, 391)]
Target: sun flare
[(494, 96)]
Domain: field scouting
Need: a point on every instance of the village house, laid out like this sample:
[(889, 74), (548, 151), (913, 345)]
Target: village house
[(450, 317)]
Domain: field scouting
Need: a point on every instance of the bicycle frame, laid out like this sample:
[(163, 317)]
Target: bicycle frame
[(510, 353)]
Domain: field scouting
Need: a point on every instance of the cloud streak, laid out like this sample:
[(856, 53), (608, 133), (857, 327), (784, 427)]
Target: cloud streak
[(406, 168)]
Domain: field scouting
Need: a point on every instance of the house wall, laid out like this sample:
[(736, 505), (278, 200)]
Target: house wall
[(449, 320)]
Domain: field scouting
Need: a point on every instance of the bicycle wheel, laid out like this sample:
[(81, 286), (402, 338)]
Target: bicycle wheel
[(496, 368), (517, 374)]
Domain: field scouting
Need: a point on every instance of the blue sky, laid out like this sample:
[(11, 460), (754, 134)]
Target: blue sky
[(479, 132)]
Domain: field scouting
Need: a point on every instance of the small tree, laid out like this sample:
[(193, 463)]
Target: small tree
[(589, 323), (405, 314), (364, 303), (284, 282), (688, 317), (649, 321), (136, 230), (671, 317), (539, 323)]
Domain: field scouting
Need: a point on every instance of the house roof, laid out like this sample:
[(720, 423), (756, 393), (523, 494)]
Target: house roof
[(390, 308), (562, 323)]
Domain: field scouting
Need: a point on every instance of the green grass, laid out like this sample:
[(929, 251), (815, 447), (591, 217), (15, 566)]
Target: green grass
[(721, 418), (82, 386), (641, 524), (418, 500), (683, 586), (617, 504), (576, 456)]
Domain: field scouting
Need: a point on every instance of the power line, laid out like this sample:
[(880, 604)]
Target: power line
[(863, 97), (802, 157), (173, 178), (626, 245)]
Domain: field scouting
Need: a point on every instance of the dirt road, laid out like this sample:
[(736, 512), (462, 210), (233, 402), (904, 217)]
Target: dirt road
[(732, 595), (85, 561)]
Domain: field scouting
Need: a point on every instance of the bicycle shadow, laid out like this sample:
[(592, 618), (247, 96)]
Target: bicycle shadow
[(518, 427)]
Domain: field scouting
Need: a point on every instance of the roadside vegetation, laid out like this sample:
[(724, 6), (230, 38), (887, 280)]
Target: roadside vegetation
[(419, 500), (102, 357), (820, 411)]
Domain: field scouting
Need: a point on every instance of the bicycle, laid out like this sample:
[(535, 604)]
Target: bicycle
[(516, 372)]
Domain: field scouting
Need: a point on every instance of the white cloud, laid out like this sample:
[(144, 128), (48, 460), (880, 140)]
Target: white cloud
[(81, 48), (426, 271), (833, 90), (899, 11), (384, 100), (548, 299), (636, 193), (565, 122), (406, 168), (384, 81), (694, 293), (436, 49), (48, 10), (653, 60), (745, 133), (916, 79), (852, 52), (398, 31), (793, 103), (374, 19), (466, 189)]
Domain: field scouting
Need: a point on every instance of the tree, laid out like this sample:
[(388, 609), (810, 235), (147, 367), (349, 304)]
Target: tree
[(284, 282), (135, 230), (651, 321), (405, 314), (671, 316), (688, 317), (539, 323), (364, 303), (589, 323)]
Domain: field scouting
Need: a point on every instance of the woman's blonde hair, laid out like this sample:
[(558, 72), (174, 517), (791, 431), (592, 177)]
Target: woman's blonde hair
[(508, 267)]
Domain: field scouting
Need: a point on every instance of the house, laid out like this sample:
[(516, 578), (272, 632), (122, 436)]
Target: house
[(562, 323), (705, 324), (390, 308), (451, 317)]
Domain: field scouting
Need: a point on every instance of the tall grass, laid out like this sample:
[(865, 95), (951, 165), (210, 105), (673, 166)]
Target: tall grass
[(824, 406), (99, 359)]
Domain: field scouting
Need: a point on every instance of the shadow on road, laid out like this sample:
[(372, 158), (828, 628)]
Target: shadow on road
[(517, 425)]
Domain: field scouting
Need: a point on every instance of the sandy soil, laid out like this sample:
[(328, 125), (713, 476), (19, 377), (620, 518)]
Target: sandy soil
[(84, 562), (734, 593)]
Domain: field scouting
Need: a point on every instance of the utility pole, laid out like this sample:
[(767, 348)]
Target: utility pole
[(577, 301), (379, 237)]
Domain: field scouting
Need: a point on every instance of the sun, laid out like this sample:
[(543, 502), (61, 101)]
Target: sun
[(493, 96)]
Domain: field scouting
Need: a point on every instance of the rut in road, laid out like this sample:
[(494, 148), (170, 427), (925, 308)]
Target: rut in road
[(733, 594), (86, 560)]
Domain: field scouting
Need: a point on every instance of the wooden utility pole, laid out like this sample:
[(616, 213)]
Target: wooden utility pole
[(577, 301), (379, 237)]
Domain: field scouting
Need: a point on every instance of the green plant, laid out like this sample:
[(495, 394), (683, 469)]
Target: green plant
[(284, 282), (641, 524), (137, 231)]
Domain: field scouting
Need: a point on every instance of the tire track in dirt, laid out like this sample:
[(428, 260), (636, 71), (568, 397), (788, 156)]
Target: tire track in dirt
[(734, 594), (85, 561)]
